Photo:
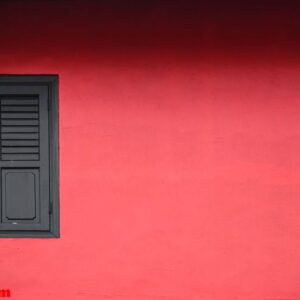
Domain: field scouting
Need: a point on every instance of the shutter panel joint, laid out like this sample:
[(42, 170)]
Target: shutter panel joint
[(50, 208)]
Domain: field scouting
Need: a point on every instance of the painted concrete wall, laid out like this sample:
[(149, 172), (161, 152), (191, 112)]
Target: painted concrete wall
[(179, 150)]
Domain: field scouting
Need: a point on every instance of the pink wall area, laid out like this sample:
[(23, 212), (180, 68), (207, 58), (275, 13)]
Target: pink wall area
[(179, 149)]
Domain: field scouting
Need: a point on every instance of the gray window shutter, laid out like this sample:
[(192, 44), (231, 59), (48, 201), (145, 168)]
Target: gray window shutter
[(24, 158)]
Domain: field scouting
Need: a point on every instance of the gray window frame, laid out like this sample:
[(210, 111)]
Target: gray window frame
[(51, 81)]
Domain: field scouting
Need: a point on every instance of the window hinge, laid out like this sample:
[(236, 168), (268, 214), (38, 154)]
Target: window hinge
[(50, 208)]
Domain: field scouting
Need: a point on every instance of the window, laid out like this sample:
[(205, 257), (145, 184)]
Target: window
[(29, 205)]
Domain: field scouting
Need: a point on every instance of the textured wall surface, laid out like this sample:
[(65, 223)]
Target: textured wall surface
[(179, 149)]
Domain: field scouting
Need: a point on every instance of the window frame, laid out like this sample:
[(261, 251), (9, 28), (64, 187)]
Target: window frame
[(51, 81)]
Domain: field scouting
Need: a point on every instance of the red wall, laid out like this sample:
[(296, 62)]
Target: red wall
[(179, 150)]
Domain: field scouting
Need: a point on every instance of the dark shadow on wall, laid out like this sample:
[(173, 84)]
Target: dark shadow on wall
[(134, 30)]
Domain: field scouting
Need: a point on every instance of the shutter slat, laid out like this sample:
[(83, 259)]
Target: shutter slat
[(19, 136), (19, 102), (19, 116), (20, 143), (19, 129), (20, 122), (19, 108), (20, 156), (30, 150)]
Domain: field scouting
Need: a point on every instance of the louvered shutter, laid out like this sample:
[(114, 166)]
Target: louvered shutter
[(24, 158)]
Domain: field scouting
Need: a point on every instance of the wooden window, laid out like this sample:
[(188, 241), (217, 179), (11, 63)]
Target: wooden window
[(29, 156)]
